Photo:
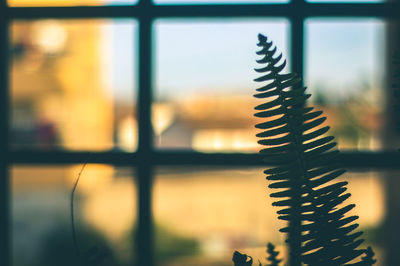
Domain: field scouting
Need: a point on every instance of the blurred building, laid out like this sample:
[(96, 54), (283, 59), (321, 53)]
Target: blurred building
[(58, 97), (61, 99)]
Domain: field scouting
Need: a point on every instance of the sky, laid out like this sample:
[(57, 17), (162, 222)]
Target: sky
[(342, 56), (217, 56), (213, 56), (120, 57)]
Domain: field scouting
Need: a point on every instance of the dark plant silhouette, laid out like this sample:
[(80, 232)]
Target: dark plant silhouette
[(304, 171), (240, 259), (94, 256), (56, 246), (272, 255), (168, 245), (368, 259)]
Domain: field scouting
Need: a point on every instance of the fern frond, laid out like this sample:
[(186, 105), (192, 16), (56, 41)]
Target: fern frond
[(272, 255), (240, 259), (305, 167), (368, 259)]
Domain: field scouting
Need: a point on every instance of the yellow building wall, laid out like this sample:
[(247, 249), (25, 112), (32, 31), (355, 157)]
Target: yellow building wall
[(67, 88), (89, 110)]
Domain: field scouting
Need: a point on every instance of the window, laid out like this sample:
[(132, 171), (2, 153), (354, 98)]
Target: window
[(140, 91)]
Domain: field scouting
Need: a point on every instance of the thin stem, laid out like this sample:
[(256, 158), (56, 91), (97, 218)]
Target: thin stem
[(72, 211)]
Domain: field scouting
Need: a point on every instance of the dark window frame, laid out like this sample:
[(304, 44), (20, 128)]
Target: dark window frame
[(146, 158)]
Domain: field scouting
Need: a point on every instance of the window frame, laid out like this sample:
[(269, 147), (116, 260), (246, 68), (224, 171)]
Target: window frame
[(147, 157)]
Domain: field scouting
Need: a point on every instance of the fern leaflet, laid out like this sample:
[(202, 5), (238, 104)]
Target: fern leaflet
[(304, 169)]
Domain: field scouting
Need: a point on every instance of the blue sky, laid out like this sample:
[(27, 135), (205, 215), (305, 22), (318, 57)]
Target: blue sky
[(343, 55), (213, 56), (122, 60), (217, 56)]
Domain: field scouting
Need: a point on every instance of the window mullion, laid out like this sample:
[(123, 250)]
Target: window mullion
[(146, 157), (297, 45), (144, 235), (4, 113)]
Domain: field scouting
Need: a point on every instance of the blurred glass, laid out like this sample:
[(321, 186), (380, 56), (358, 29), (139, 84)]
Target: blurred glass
[(69, 2), (105, 204), (204, 82), (73, 84), (211, 2), (204, 214), (346, 1), (344, 70)]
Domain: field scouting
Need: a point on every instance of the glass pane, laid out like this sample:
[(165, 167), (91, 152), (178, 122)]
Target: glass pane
[(73, 84), (345, 66), (346, 1), (210, 2), (204, 214), (104, 208), (204, 82), (69, 2)]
